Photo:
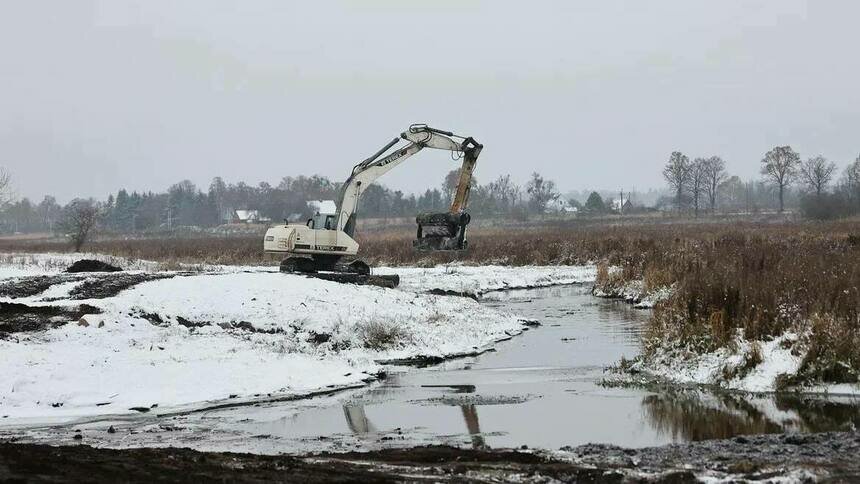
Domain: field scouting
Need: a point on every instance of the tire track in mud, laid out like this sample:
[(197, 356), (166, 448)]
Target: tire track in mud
[(25, 318), (21, 318)]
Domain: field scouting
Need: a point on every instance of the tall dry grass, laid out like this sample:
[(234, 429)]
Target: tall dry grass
[(761, 283)]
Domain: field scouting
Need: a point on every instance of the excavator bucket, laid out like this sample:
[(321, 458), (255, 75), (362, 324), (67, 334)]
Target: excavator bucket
[(441, 231)]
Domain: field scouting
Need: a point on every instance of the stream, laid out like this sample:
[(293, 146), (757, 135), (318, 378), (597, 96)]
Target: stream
[(540, 389)]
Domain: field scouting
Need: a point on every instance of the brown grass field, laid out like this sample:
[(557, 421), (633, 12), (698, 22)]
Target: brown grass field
[(759, 278)]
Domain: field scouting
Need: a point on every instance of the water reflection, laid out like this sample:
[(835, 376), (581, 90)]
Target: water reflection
[(470, 415), (360, 425), (699, 415), (356, 419)]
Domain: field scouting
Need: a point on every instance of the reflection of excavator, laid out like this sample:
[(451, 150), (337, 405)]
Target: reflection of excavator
[(326, 239)]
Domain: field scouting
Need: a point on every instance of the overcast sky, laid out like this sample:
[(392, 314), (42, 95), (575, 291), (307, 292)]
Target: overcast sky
[(95, 96)]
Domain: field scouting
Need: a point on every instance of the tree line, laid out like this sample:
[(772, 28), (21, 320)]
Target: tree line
[(184, 204), (704, 183)]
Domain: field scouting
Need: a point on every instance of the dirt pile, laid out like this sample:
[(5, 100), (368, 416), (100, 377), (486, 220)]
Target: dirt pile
[(19, 318), (90, 265), (109, 285)]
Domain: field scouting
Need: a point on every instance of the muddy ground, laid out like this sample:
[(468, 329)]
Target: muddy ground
[(23, 318), (825, 457)]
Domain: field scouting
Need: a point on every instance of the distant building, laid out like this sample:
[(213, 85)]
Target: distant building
[(249, 217), (560, 205), (619, 207), (327, 207)]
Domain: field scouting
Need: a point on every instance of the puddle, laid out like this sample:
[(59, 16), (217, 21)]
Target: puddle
[(540, 389)]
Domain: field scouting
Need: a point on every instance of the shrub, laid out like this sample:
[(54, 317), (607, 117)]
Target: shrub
[(379, 335)]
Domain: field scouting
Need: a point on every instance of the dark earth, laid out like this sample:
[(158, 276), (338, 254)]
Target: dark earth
[(20, 318), (824, 457), (89, 265)]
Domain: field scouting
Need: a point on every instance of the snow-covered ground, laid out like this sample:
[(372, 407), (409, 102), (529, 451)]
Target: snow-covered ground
[(634, 291), (239, 334), (737, 369), (35, 264), (477, 280)]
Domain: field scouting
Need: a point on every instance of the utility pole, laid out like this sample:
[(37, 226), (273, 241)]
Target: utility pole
[(621, 204)]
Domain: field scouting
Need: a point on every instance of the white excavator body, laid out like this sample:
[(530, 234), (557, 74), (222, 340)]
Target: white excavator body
[(320, 244), (302, 239)]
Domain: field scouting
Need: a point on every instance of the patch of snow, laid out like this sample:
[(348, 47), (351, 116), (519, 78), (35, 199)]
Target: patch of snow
[(477, 280), (713, 368), (57, 291), (632, 291), (77, 371), (770, 476)]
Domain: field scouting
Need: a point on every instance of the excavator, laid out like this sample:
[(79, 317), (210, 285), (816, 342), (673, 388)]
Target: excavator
[(323, 244)]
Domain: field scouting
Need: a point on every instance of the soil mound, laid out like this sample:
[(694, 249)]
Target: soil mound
[(89, 265)]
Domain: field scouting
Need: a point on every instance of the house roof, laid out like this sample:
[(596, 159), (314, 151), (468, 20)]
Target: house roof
[(247, 214), (616, 204)]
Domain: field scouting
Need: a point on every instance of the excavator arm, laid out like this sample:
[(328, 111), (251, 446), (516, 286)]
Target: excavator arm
[(419, 136)]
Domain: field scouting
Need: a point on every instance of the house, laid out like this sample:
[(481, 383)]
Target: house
[(249, 217), (327, 207), (560, 205), (619, 207)]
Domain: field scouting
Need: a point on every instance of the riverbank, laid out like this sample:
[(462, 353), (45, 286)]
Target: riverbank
[(747, 308), (778, 458)]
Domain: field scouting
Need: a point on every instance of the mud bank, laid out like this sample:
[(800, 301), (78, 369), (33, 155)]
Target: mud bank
[(825, 457), (21, 318)]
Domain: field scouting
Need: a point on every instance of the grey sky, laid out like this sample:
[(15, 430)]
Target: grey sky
[(95, 96)]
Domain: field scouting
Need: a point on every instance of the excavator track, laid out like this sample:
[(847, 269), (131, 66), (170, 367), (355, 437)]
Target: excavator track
[(355, 272)]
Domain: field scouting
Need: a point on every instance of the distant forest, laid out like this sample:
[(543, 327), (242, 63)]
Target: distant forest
[(814, 188)]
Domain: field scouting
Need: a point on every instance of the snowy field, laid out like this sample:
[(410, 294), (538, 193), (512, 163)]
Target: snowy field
[(233, 334), (478, 280)]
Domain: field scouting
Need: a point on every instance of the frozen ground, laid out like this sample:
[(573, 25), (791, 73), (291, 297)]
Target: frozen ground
[(634, 292), (230, 335), (478, 280), (26, 264), (736, 369)]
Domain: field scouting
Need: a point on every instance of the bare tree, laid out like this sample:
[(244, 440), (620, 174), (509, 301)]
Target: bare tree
[(504, 193), (816, 173), (851, 180), (780, 166), (541, 191), (733, 192), (698, 181), (715, 173), (79, 220), (6, 195), (49, 211), (677, 175)]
